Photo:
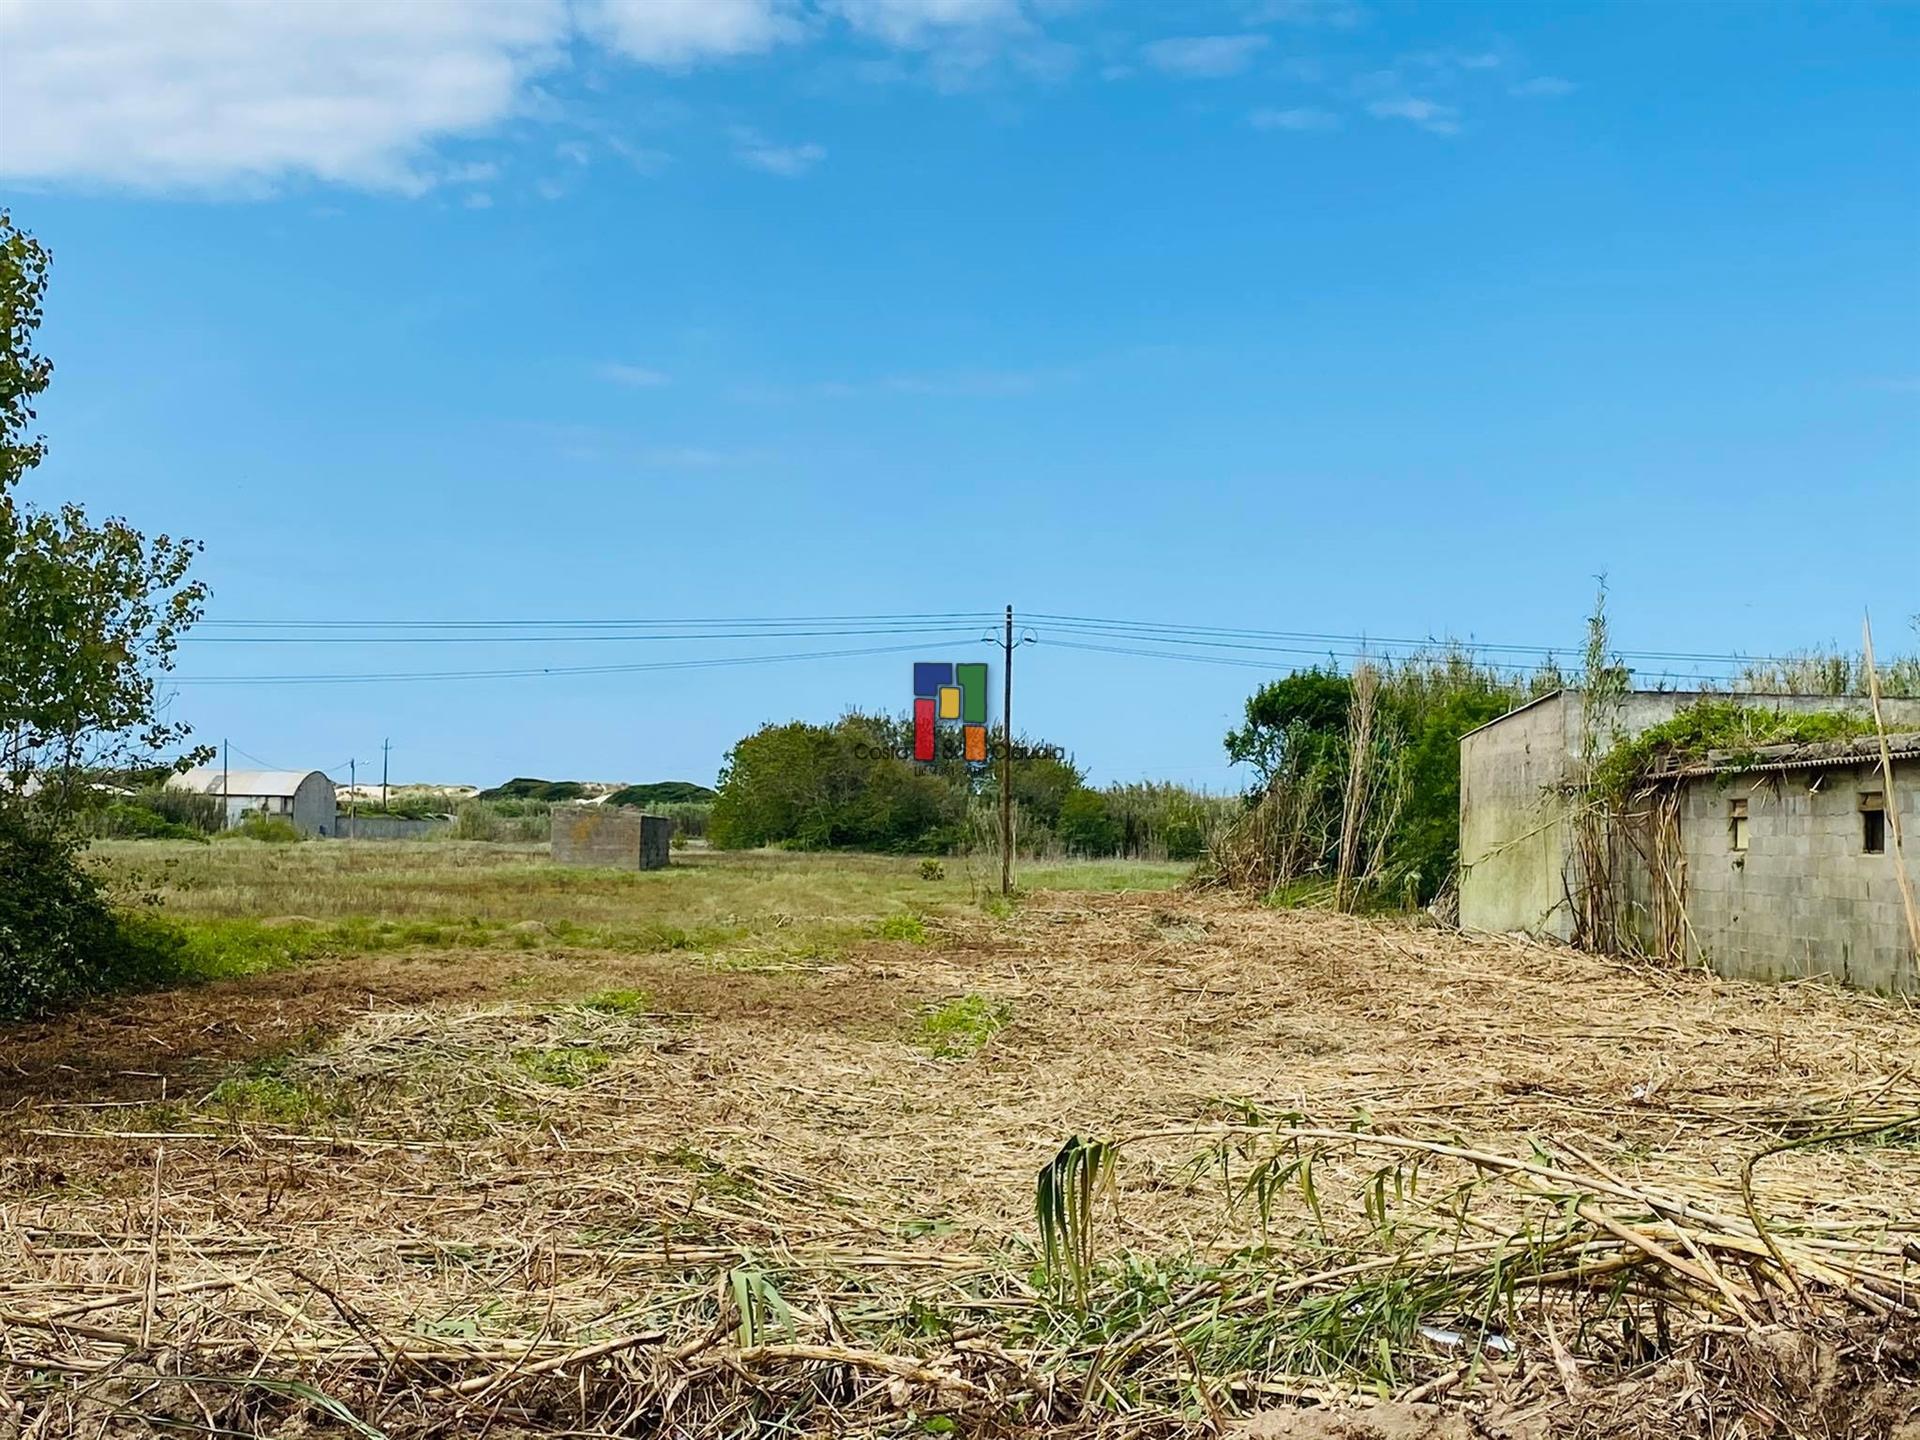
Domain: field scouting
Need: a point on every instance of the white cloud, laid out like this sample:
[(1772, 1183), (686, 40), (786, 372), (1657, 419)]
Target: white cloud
[(477, 172), (1300, 119), (225, 93), (681, 32), (752, 148), (637, 377), (1334, 14), (1544, 87), (1429, 115), (1203, 57), (915, 23)]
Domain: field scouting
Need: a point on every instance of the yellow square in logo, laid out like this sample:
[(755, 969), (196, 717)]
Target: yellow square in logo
[(949, 702)]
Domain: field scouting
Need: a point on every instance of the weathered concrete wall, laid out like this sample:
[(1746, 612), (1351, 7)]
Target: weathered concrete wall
[(1804, 898), (1513, 841), (1516, 848), (610, 837), (384, 827)]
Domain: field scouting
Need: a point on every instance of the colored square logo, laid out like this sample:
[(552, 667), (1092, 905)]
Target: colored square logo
[(945, 693)]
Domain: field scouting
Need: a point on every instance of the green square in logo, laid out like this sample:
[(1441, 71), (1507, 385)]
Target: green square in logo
[(972, 679)]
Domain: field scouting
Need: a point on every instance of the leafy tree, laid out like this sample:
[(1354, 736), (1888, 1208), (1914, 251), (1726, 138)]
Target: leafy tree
[(1085, 826), (1426, 841), (89, 614), (829, 786), (91, 611), (1292, 722)]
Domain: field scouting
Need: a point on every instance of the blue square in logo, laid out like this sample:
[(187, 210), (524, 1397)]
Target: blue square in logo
[(930, 675)]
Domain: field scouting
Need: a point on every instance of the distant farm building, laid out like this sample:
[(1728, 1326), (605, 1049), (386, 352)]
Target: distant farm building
[(1765, 864), (304, 797)]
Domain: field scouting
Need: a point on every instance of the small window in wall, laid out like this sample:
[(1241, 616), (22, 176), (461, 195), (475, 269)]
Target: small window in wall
[(1736, 824), (1873, 822)]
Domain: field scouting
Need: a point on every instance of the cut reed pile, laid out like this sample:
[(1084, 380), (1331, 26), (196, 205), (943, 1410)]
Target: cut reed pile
[(1317, 1162)]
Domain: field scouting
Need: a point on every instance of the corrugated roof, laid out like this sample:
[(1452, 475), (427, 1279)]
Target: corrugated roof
[(207, 780), (1775, 758)]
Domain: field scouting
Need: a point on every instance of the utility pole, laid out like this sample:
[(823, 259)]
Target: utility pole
[(1006, 760), (385, 746), (223, 785), (353, 796)]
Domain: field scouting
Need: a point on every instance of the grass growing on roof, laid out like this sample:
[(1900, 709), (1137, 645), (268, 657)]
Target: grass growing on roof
[(1709, 725)]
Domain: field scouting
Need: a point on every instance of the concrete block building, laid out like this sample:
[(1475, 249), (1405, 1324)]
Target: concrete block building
[(1809, 898), (304, 797), (1787, 859), (610, 837)]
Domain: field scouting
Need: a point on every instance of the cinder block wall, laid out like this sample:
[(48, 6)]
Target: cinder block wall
[(1517, 862), (610, 837), (1804, 899)]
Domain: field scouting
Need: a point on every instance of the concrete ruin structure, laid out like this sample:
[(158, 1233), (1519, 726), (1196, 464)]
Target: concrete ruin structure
[(304, 797), (610, 837), (1766, 864)]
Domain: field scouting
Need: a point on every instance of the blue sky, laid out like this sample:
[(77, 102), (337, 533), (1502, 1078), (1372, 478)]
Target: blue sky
[(1329, 318)]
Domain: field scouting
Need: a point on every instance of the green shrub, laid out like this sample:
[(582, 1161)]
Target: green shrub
[(123, 820), (544, 791), (818, 787), (962, 1026), (910, 928), (663, 792), (1085, 827), (60, 938), (566, 1065), (620, 1002), (521, 821), (184, 808), (269, 829)]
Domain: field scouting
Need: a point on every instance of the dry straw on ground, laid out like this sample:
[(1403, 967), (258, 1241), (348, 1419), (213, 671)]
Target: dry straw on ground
[(1519, 1191)]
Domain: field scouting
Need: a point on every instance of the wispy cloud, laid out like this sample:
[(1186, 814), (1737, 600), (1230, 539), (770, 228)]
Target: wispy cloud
[(1300, 119), (1544, 87), (1332, 14), (1203, 57), (750, 147), (634, 377), (917, 23), (1429, 115)]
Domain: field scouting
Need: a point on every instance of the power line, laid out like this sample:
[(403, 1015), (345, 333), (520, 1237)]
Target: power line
[(1234, 660), (407, 675), (551, 622), (759, 627), (512, 639), (1172, 633)]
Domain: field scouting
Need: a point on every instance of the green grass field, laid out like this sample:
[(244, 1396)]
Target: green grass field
[(245, 907)]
